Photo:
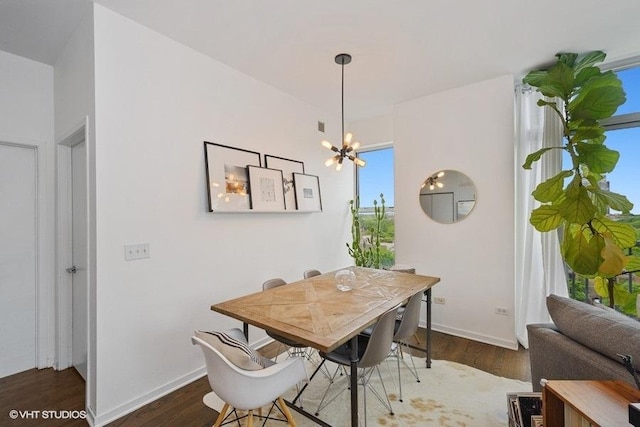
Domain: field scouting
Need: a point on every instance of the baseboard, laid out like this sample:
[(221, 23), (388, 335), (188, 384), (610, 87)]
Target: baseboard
[(487, 339), (145, 399), (156, 394)]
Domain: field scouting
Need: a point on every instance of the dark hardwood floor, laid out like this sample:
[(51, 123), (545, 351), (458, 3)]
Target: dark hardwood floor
[(49, 390)]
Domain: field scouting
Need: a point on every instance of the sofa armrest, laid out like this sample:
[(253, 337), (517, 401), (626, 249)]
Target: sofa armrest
[(554, 356)]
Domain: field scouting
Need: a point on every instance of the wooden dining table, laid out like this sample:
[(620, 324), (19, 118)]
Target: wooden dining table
[(315, 313)]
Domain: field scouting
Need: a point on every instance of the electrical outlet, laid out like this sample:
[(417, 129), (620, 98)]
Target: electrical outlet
[(139, 251), (502, 311), (438, 300)]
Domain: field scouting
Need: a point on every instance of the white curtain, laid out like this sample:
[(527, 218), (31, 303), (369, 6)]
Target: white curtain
[(539, 266)]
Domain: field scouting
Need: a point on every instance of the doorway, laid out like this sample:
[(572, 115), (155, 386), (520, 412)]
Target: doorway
[(73, 249), (18, 257)]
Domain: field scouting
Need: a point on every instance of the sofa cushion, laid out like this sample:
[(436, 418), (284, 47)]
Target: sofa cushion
[(605, 331), (236, 351)]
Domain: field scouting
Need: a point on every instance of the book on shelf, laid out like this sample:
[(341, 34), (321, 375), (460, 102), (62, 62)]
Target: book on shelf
[(525, 409)]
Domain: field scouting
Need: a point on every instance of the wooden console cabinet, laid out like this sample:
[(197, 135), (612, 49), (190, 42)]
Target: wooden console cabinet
[(595, 403)]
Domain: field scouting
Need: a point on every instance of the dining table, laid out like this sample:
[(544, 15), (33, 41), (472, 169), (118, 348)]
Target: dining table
[(315, 313)]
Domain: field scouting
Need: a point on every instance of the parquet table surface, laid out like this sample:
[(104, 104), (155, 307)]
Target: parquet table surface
[(314, 312)]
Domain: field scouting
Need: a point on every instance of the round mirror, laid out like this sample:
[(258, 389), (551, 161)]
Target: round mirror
[(447, 196)]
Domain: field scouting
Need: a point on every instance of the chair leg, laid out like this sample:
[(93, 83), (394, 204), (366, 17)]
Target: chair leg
[(398, 356), (286, 412), (250, 419), (220, 418)]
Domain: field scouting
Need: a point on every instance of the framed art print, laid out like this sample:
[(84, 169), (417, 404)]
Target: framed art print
[(227, 176), (267, 192), (307, 191), (288, 167)]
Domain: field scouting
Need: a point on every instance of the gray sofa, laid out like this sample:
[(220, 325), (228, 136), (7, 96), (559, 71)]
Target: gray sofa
[(582, 343)]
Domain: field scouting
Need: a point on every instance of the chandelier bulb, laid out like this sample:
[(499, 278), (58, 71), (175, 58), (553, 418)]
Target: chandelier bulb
[(326, 144)]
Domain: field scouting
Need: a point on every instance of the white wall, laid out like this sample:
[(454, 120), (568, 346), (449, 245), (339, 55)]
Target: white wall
[(373, 131), (469, 129), (74, 108), (156, 101), (26, 118)]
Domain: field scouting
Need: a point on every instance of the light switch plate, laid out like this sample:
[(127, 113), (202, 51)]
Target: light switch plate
[(138, 251)]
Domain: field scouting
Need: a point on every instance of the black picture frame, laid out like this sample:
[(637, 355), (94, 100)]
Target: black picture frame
[(267, 191), (288, 167), (307, 190), (227, 176)]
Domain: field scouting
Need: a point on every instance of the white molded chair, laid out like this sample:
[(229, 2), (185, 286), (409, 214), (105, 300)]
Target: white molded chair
[(372, 350), (249, 390), (311, 273)]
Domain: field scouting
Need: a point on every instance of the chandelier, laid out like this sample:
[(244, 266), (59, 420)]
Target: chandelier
[(348, 147), (433, 182)]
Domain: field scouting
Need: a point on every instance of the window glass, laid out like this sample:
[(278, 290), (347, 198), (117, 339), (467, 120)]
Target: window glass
[(623, 180), (374, 179)]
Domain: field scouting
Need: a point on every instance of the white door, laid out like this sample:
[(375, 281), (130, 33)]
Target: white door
[(17, 259), (79, 256)]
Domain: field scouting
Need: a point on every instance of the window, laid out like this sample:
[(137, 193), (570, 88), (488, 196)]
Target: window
[(623, 135), (371, 181)]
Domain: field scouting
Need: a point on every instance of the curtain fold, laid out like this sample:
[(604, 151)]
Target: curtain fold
[(539, 266)]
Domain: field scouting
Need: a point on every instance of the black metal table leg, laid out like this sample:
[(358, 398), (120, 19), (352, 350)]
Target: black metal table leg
[(354, 381), (428, 294)]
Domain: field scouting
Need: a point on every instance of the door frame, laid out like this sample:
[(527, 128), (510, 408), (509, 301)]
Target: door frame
[(45, 328), (64, 245)]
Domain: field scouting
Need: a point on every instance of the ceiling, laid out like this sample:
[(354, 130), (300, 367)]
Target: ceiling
[(401, 49)]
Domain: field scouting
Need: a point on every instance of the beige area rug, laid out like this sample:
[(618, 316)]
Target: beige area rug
[(448, 395)]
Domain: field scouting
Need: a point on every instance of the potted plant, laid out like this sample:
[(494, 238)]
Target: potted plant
[(592, 243)]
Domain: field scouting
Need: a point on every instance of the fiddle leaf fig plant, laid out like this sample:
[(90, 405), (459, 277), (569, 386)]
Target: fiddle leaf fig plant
[(592, 243)]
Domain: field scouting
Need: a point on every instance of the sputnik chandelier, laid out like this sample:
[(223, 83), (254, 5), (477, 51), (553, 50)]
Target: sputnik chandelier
[(433, 182), (348, 148)]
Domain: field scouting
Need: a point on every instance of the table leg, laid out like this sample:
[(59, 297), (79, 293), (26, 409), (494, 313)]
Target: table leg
[(354, 381), (428, 328)]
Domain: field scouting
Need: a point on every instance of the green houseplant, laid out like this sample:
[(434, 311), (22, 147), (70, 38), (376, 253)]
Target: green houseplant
[(366, 252), (592, 243)]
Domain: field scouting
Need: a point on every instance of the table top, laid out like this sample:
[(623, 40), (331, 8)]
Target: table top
[(315, 313), (602, 403)]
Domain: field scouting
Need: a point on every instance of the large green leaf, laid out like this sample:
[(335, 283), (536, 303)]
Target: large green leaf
[(582, 254), (534, 157), (598, 99), (585, 75), (535, 78), (587, 132), (559, 82), (615, 201), (545, 218), (597, 157), (633, 263), (623, 235), (589, 60), (567, 58), (577, 208), (551, 189)]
